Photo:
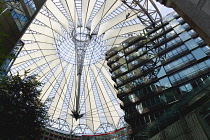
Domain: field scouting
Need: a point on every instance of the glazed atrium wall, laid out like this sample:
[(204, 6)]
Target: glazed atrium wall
[(15, 17), (157, 70)]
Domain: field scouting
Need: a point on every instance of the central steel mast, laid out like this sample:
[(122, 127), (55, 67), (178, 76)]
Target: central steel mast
[(81, 41)]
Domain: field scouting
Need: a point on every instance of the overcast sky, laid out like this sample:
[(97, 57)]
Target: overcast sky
[(164, 10)]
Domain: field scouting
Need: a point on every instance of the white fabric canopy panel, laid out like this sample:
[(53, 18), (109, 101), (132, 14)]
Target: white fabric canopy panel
[(50, 52)]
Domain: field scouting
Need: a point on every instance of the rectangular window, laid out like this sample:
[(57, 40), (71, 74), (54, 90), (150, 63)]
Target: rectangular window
[(177, 64), (199, 41), (161, 72), (206, 50), (173, 23), (191, 44), (198, 53), (184, 36), (165, 83), (192, 32), (179, 29), (186, 26), (175, 52)]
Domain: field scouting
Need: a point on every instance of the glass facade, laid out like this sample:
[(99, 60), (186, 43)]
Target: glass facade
[(30, 6), (158, 70), (17, 13)]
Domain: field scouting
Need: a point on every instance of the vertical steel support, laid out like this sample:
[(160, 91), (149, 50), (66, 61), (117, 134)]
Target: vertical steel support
[(81, 41)]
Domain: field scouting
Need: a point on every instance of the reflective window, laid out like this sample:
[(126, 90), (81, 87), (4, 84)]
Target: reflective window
[(169, 17), (184, 36), (30, 6), (190, 72), (180, 20), (165, 83), (173, 42), (173, 23), (186, 88), (170, 34), (140, 108), (178, 63), (175, 52), (191, 44), (186, 26), (161, 72), (192, 32), (170, 96), (204, 65), (206, 49), (179, 29), (199, 40), (198, 53), (207, 62)]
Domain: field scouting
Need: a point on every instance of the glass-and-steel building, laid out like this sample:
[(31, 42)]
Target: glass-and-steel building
[(158, 69)]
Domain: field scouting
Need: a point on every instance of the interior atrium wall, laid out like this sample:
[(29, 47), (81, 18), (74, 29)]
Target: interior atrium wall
[(157, 70)]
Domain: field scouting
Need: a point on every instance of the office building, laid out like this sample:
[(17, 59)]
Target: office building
[(158, 70)]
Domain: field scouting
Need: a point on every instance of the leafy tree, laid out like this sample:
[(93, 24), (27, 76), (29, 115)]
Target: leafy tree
[(22, 114), (3, 51)]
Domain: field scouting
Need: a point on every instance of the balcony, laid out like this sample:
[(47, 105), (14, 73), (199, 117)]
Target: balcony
[(165, 61), (112, 60), (146, 111), (131, 67), (137, 46), (169, 47), (128, 103), (136, 87)]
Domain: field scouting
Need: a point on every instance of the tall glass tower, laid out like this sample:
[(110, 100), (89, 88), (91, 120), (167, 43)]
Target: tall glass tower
[(159, 72)]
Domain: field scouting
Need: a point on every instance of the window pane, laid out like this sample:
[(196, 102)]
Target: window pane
[(191, 44), (184, 36), (179, 29), (198, 53), (165, 83)]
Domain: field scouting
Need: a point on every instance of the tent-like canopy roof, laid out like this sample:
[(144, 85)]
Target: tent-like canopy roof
[(68, 35)]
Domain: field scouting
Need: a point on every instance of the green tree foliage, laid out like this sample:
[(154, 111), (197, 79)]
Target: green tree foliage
[(22, 114), (3, 52)]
